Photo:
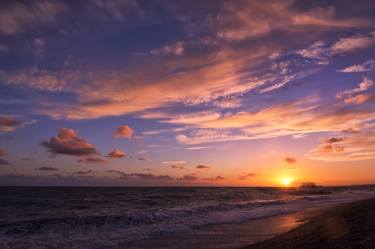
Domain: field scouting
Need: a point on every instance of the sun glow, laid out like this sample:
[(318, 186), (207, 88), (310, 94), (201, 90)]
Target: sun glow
[(286, 181)]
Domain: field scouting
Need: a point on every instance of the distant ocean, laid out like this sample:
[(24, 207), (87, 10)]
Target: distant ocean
[(96, 217)]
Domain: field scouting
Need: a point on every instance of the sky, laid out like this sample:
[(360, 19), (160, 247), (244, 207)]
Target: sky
[(187, 93)]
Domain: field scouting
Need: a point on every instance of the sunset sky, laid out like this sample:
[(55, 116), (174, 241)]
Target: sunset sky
[(187, 93)]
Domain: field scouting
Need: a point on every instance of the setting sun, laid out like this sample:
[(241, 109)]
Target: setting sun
[(286, 181)]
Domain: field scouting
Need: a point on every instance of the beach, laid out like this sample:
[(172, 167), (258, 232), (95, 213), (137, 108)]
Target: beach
[(345, 226)]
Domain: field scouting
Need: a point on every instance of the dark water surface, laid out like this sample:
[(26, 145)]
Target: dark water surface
[(95, 217)]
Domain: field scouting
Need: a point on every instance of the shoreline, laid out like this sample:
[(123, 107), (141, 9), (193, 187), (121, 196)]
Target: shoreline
[(350, 225)]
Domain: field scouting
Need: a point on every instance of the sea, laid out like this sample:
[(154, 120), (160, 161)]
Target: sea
[(157, 217)]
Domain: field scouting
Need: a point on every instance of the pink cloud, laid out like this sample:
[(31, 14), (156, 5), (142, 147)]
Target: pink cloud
[(117, 153), (69, 142), (124, 131)]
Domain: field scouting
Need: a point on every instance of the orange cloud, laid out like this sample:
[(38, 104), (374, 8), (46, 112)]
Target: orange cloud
[(124, 131), (68, 142), (360, 99)]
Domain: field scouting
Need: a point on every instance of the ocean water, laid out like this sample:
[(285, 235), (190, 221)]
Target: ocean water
[(94, 217)]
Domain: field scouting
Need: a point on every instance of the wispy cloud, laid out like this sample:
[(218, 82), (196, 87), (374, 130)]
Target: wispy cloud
[(359, 68), (9, 123), (253, 19), (20, 17), (174, 162), (322, 52), (174, 49)]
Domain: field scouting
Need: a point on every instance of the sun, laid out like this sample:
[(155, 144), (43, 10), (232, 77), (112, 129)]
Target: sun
[(286, 181)]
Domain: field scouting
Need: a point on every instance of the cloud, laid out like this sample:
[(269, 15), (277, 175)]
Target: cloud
[(193, 118), (4, 162), (68, 142), (45, 168), (200, 166), (19, 17), (350, 97), (359, 68), (151, 177), (177, 49), (124, 131), (364, 85), (360, 99), (318, 51), (208, 136), (189, 178), (211, 77), (117, 9), (332, 140), (83, 172), (10, 123), (174, 162), (353, 43), (178, 167), (2, 153), (227, 103), (141, 176), (290, 160), (117, 153), (322, 52), (92, 160), (252, 19), (118, 172), (213, 179), (352, 147), (197, 148), (247, 176), (305, 116)]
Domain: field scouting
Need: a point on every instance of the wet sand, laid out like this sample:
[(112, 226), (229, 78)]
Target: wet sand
[(346, 226)]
